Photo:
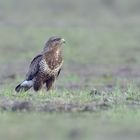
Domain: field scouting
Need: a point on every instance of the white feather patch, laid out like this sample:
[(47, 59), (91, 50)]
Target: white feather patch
[(27, 83)]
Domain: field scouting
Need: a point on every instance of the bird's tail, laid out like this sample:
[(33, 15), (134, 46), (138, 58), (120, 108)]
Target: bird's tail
[(24, 86)]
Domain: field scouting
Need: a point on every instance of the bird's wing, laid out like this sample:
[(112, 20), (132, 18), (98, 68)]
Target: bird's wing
[(58, 72), (34, 67)]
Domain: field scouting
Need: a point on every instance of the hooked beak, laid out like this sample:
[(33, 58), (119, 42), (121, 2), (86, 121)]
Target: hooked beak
[(63, 40)]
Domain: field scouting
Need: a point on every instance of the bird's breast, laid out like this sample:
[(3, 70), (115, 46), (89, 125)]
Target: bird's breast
[(50, 68)]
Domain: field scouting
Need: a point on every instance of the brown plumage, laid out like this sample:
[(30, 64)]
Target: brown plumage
[(45, 67)]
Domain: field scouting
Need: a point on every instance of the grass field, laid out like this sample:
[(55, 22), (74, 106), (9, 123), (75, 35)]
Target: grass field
[(97, 95)]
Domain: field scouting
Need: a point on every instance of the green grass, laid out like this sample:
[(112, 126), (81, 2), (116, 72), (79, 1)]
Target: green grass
[(71, 115), (73, 99)]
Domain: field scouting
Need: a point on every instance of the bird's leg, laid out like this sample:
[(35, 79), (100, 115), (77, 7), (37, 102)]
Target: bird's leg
[(38, 83), (50, 83)]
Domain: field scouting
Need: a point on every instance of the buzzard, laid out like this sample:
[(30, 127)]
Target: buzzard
[(45, 67)]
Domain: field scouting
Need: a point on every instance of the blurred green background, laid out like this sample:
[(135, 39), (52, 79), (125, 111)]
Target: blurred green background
[(102, 38), (102, 52)]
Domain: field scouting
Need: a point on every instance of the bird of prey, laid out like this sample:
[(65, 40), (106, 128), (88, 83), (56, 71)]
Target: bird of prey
[(45, 67)]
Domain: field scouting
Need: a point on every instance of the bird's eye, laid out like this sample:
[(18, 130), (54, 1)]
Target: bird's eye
[(57, 39)]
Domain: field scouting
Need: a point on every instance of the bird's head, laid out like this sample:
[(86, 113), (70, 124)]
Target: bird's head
[(54, 42)]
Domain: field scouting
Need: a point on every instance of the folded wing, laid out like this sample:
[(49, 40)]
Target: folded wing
[(34, 67)]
